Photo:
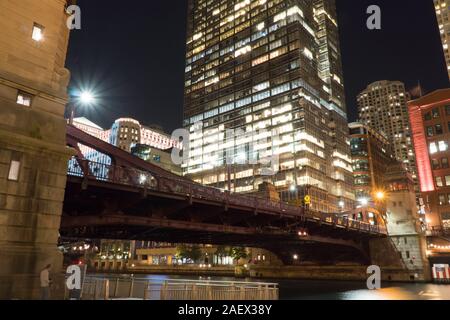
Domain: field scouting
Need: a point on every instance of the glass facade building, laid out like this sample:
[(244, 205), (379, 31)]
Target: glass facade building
[(442, 14), (371, 154), (264, 79)]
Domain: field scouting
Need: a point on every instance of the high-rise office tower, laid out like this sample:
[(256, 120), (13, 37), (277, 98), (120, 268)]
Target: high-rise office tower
[(442, 14), (331, 72), (270, 71), (383, 106), (330, 64)]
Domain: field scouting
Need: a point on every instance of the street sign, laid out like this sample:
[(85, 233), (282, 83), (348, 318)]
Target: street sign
[(307, 200)]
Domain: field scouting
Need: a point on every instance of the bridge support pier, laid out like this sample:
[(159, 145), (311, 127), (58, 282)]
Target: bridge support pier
[(33, 152), (30, 214), (385, 254)]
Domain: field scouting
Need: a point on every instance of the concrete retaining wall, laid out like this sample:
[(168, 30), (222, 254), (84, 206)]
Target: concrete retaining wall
[(345, 273)]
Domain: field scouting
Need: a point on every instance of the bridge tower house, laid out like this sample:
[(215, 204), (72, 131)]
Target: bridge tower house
[(33, 155)]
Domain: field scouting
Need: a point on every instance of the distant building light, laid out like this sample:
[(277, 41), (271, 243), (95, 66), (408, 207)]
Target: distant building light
[(364, 201), (142, 179)]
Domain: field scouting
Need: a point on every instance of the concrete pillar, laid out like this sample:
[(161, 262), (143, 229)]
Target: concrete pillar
[(33, 153)]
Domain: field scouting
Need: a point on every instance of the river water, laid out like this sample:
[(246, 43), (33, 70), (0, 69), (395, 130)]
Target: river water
[(333, 290)]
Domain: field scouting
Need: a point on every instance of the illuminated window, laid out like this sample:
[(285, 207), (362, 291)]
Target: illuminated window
[(308, 53), (14, 169), (433, 148), (24, 99), (439, 182), (38, 32)]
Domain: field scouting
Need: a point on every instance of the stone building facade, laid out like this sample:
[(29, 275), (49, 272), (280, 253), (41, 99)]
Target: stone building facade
[(403, 221), (33, 154)]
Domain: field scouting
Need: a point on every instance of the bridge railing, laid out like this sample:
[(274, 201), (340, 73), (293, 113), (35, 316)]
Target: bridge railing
[(142, 179), (96, 288)]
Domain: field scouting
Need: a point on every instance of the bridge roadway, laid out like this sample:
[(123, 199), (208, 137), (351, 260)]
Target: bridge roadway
[(133, 199)]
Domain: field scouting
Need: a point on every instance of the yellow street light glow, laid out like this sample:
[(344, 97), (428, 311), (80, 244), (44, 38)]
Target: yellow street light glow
[(380, 195)]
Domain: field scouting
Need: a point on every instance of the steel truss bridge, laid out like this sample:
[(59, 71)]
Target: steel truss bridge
[(132, 199)]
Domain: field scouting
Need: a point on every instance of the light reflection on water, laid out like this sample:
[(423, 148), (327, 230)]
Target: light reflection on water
[(328, 290)]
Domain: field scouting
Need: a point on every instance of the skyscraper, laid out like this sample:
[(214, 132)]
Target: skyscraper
[(330, 64), (371, 155), (269, 71), (442, 14), (383, 106)]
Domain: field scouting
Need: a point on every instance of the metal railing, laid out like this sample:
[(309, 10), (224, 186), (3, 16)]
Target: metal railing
[(439, 231), (156, 289), (173, 185)]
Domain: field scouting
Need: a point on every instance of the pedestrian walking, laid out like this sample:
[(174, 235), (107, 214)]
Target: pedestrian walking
[(45, 282)]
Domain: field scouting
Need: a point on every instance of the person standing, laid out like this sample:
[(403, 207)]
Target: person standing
[(45, 282)]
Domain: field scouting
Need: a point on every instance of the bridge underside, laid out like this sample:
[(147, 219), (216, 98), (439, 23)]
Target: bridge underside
[(100, 210)]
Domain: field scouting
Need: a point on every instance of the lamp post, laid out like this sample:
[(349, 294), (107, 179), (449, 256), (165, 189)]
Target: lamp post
[(85, 98)]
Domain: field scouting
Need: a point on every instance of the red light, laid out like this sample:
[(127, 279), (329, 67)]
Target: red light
[(421, 148)]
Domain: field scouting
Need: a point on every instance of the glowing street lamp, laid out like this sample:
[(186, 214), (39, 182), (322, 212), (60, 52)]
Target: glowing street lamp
[(380, 195), (84, 98), (87, 98)]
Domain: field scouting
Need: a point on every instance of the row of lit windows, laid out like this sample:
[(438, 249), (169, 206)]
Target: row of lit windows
[(250, 99), (260, 28), (217, 83), (257, 49), (235, 18), (438, 146)]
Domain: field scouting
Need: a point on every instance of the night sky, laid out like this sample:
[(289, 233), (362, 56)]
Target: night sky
[(132, 54)]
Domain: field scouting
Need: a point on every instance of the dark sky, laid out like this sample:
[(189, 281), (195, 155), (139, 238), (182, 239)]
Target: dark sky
[(133, 54)]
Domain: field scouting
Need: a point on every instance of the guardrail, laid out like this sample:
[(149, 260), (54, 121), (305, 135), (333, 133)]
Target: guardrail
[(146, 180), (95, 288), (438, 232)]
